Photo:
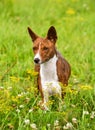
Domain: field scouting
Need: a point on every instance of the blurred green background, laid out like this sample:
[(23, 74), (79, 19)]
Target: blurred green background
[(74, 21)]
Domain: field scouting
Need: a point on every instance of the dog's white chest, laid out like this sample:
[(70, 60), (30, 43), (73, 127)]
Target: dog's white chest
[(49, 78)]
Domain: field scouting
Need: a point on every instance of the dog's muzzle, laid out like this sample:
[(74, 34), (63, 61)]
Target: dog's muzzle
[(37, 60)]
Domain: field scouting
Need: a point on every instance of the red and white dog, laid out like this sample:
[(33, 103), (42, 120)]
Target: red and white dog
[(50, 65)]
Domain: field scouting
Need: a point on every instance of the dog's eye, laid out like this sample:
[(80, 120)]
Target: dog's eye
[(45, 48), (35, 48)]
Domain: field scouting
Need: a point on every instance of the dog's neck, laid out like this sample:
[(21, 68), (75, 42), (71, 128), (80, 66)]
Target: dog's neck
[(48, 71)]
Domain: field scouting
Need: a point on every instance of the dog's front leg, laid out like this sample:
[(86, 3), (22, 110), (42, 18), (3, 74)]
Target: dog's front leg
[(45, 100)]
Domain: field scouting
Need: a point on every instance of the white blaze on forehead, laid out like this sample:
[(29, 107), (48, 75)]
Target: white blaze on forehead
[(38, 53)]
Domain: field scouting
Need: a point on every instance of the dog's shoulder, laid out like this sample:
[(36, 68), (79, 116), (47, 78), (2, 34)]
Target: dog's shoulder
[(62, 61), (63, 69)]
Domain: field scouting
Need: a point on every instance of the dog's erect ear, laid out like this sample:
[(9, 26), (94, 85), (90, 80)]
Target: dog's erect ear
[(52, 35), (32, 34)]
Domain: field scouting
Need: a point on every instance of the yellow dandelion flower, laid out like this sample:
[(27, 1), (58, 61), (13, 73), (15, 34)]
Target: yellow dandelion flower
[(68, 90), (71, 91), (14, 79), (86, 87), (32, 72), (14, 99), (50, 102), (70, 11), (29, 71)]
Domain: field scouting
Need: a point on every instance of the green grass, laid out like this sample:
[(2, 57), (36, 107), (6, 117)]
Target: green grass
[(75, 24)]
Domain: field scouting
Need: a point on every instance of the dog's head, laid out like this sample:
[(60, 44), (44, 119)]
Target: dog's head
[(43, 48)]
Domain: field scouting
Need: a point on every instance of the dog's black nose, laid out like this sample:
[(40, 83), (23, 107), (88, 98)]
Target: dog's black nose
[(36, 60)]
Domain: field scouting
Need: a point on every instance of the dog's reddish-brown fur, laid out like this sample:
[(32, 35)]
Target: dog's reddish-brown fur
[(47, 51)]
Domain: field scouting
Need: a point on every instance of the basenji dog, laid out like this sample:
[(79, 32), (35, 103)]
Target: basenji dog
[(52, 68)]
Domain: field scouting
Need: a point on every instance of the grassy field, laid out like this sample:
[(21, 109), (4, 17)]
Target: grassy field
[(74, 21)]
